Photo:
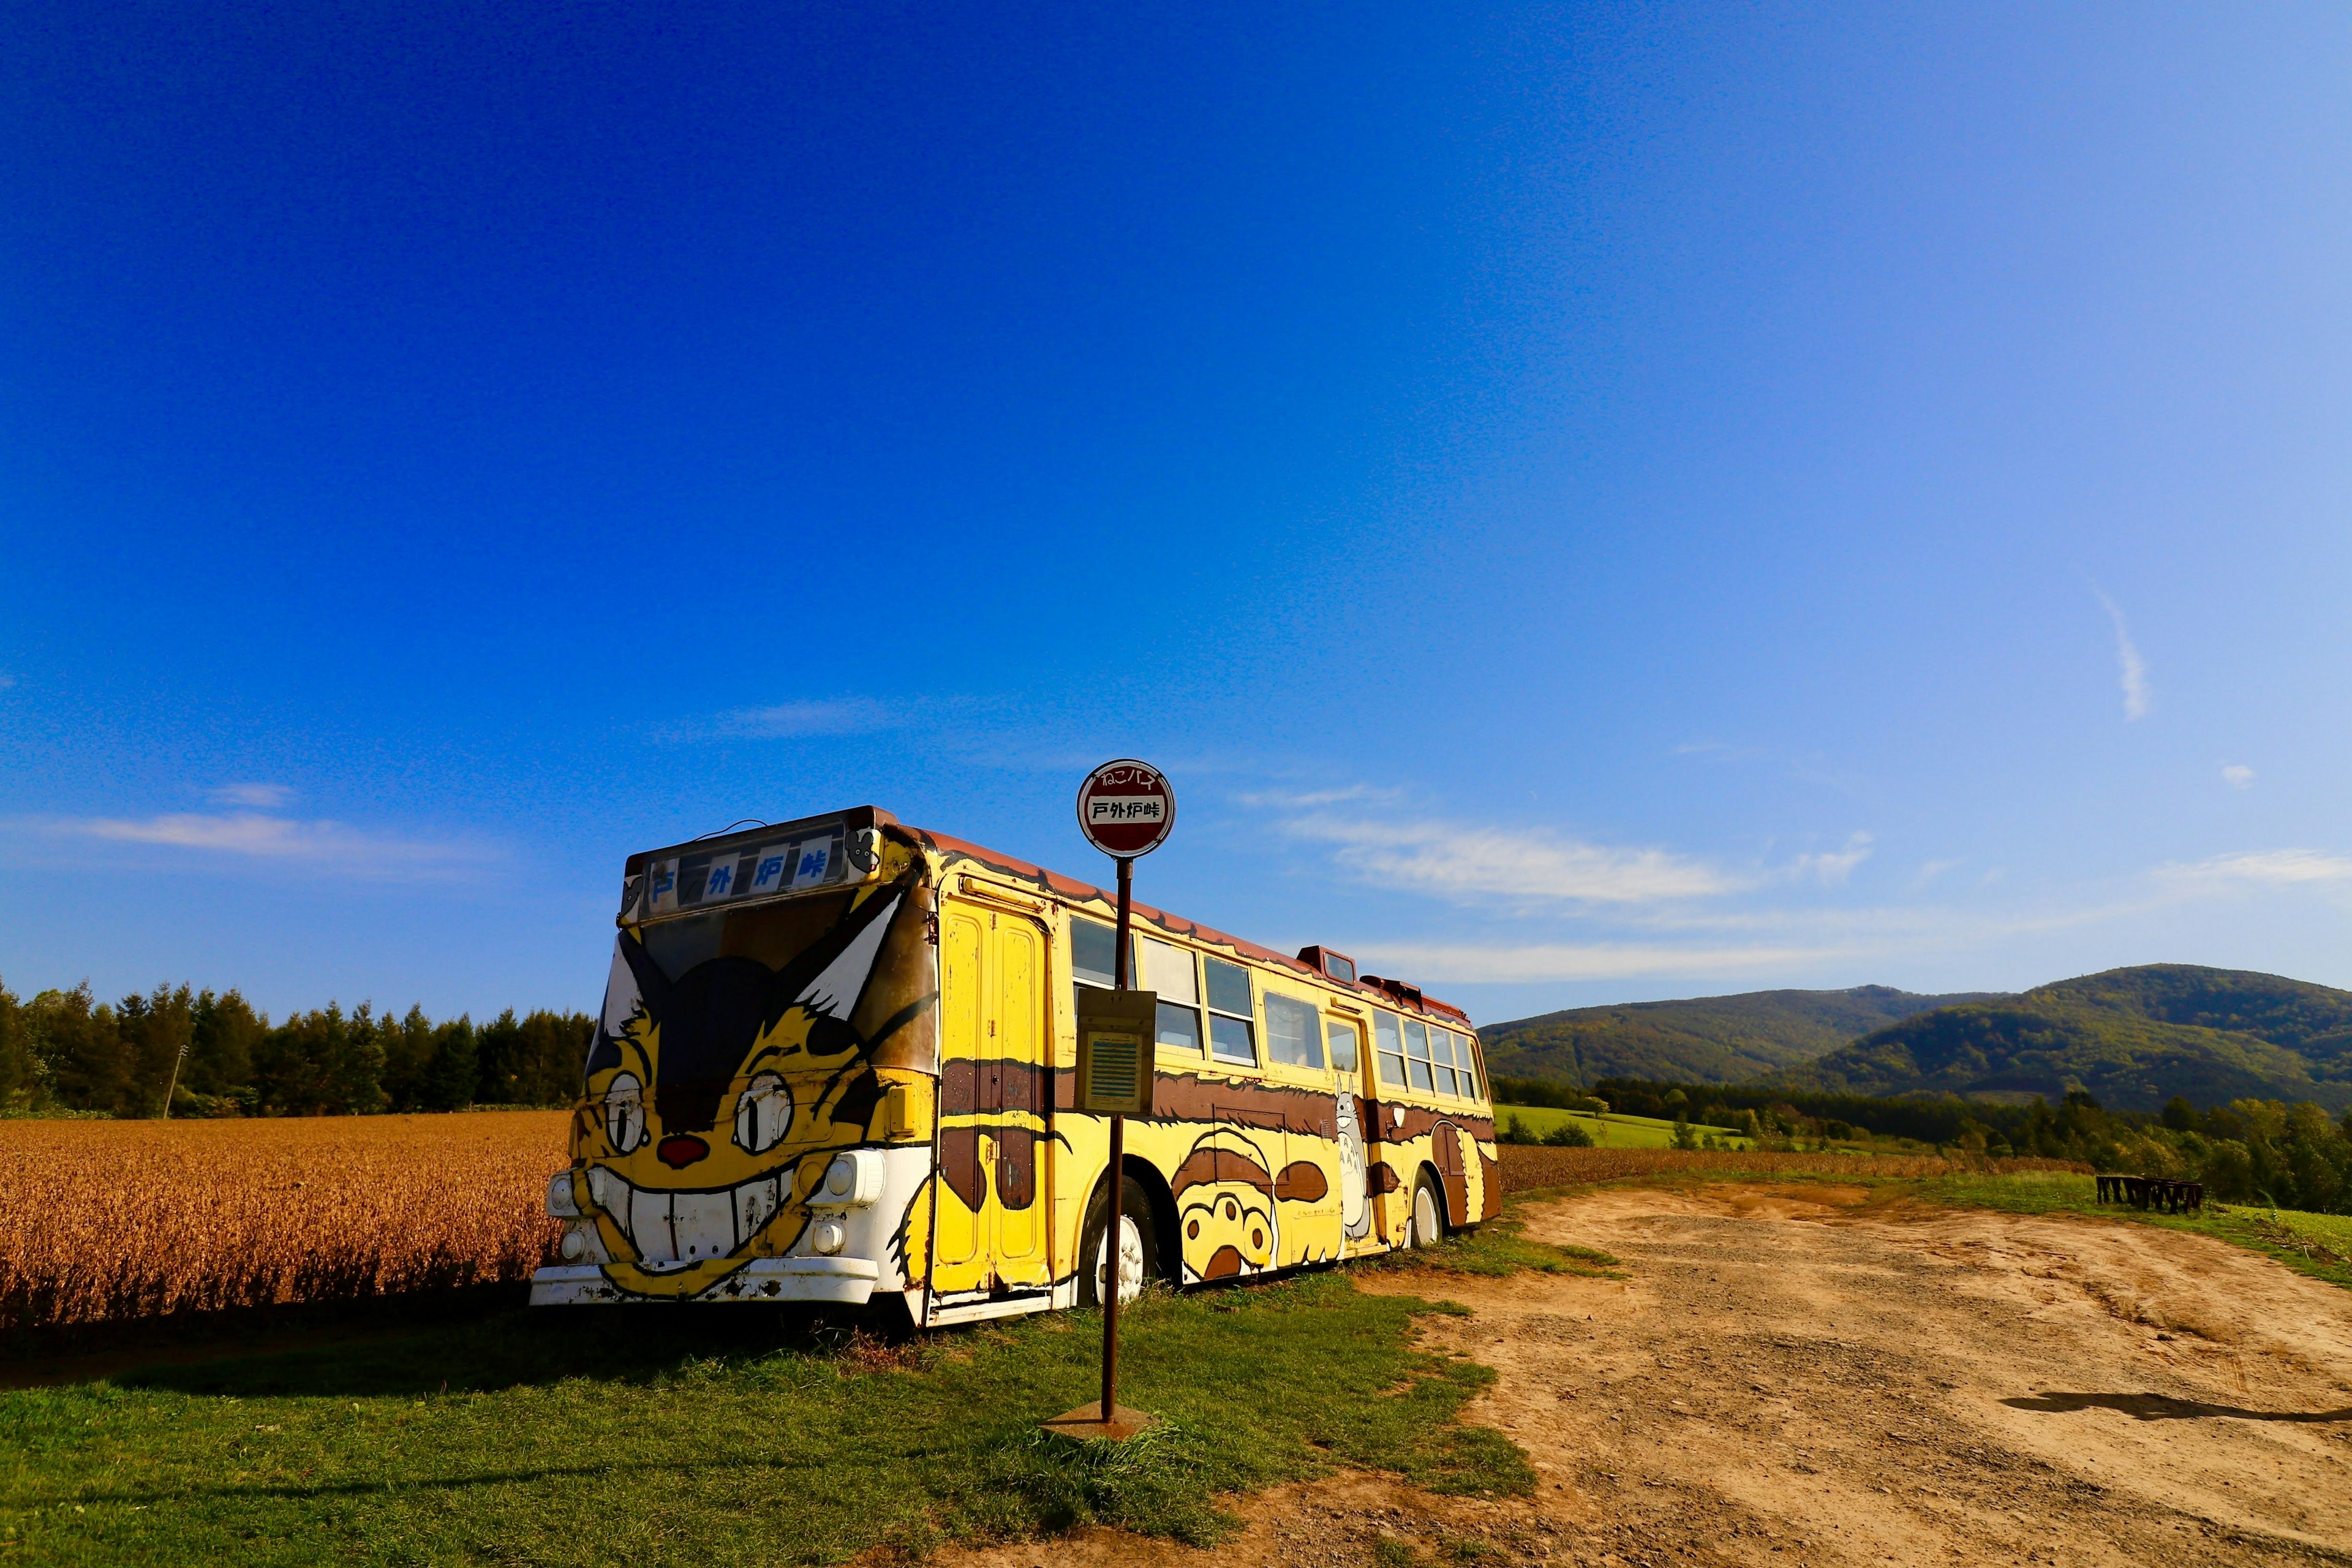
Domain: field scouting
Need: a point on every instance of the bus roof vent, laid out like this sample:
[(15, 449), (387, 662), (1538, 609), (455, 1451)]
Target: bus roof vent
[(1323, 961), (1408, 994)]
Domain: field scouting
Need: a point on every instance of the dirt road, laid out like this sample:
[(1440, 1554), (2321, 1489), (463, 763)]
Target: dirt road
[(1789, 1375)]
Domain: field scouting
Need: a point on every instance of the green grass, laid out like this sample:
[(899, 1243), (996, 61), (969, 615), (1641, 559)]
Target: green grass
[(1498, 1247), (1612, 1130), (696, 1436)]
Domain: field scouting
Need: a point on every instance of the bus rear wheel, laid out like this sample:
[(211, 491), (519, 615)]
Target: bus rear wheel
[(1426, 1224), (1138, 1245)]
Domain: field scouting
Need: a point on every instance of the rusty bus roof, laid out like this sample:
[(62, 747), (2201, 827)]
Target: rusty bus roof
[(1393, 993)]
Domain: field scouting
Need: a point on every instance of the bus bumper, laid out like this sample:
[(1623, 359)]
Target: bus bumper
[(843, 1281)]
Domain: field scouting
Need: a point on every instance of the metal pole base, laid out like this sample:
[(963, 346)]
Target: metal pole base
[(1087, 1421)]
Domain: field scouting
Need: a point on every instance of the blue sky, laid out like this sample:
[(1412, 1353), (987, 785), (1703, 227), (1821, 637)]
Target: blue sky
[(1585, 505)]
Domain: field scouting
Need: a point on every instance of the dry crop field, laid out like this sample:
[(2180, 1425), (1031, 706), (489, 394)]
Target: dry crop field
[(105, 1221), (109, 1220)]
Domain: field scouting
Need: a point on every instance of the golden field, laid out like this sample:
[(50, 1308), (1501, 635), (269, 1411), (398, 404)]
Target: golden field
[(104, 1220), (114, 1220), (1528, 1166)]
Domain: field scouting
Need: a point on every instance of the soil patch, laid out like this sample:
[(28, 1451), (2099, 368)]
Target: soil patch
[(1810, 1374)]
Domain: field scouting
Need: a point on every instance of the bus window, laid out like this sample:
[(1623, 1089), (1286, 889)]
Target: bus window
[(1392, 1049), (1343, 1043), (1294, 1032), (1466, 1065), (1168, 970), (1478, 1055), (1441, 1060), (1093, 951), (1232, 1036), (1416, 1054)]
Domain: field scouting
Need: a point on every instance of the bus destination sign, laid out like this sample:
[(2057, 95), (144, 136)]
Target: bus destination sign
[(1126, 808)]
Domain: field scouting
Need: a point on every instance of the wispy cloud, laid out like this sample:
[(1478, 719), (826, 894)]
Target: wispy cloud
[(2275, 867), (1366, 795), (1467, 862), (7, 680), (2239, 775), (1930, 870), (793, 720), (314, 845), (1833, 868), (2132, 671), (1444, 963), (267, 796)]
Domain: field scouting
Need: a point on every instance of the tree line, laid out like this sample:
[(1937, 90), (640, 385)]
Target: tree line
[(2247, 1150), (213, 1054)]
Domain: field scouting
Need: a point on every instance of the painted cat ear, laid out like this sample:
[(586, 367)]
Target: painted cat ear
[(834, 993), (623, 994), (653, 985)]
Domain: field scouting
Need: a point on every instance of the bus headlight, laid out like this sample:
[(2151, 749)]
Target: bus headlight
[(829, 1236), (854, 1177), (574, 1245), (561, 1205)]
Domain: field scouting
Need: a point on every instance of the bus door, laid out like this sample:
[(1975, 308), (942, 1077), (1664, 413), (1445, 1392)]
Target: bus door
[(1384, 1087), (992, 1095), (1349, 1057)]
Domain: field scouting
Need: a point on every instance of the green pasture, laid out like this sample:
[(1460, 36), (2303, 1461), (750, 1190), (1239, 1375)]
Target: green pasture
[(737, 1434), (1612, 1130)]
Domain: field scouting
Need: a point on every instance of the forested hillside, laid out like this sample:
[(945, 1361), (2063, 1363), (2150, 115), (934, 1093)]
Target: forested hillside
[(62, 1050), (2132, 1037), (1705, 1039)]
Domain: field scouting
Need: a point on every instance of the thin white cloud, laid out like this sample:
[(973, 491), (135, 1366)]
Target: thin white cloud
[(314, 845), (1832, 869), (1470, 862), (795, 721), (2273, 868), (2132, 671), (791, 721), (1448, 964), (267, 796), (1930, 870), (2239, 775), (1309, 800)]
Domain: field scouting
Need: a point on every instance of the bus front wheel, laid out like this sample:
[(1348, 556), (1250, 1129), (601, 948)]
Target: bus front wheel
[(1138, 1245), (1427, 1226)]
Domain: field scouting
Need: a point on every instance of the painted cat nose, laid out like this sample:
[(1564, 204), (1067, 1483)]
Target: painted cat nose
[(681, 1149)]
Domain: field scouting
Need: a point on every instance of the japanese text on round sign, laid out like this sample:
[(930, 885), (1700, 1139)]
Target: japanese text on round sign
[(1126, 808)]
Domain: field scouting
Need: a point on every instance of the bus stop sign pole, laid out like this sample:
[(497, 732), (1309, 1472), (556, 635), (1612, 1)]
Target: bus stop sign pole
[(1125, 809), (1114, 1247)]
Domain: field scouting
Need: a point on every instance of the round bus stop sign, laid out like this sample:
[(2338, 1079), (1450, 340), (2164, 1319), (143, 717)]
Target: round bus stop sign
[(1126, 808)]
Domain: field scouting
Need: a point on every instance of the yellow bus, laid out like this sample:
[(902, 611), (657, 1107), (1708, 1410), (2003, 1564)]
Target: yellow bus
[(836, 1061)]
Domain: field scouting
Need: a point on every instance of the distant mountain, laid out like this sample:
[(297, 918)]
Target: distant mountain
[(1707, 1040), (2133, 1037)]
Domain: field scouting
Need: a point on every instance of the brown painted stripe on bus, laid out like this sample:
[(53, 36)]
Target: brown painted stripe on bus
[(1418, 1122), (1022, 1085), (1191, 1097)]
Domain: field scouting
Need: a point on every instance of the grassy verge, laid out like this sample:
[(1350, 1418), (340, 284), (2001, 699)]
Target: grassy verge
[(1499, 1247), (646, 1436), (2315, 1244), (1612, 1130)]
